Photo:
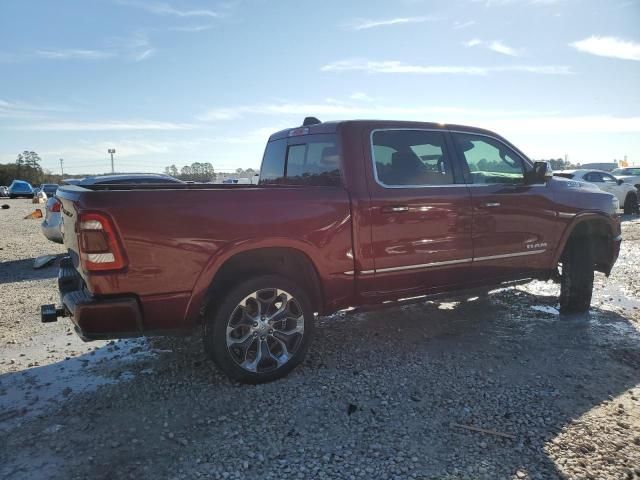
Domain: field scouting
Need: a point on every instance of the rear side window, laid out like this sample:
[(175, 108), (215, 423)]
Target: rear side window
[(307, 160), (564, 175), (411, 158)]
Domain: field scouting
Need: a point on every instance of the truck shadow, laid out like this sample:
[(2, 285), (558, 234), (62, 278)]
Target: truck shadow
[(15, 271), (378, 386)]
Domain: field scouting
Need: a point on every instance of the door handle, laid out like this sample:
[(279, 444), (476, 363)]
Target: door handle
[(395, 209), (491, 204)]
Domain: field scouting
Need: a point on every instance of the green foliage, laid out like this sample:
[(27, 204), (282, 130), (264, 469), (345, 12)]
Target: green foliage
[(196, 172), (26, 167)]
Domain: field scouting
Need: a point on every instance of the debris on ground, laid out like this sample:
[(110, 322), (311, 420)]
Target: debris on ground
[(44, 261), (37, 213)]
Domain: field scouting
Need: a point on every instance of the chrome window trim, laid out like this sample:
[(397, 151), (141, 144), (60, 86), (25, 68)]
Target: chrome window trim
[(450, 262), (373, 159), (442, 130)]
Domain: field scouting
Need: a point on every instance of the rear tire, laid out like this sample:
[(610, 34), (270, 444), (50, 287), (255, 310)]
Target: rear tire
[(261, 330), (576, 281), (631, 204)]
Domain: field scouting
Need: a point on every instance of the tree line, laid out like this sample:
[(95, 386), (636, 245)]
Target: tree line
[(27, 167), (202, 172)]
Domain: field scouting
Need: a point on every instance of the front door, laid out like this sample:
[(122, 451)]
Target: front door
[(514, 223), (421, 218)]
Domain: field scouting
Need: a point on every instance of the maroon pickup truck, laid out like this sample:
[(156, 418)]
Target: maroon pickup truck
[(346, 214)]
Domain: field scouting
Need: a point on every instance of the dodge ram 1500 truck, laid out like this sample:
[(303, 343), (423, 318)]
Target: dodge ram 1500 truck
[(345, 214)]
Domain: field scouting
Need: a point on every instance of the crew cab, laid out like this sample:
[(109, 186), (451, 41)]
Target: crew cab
[(352, 214)]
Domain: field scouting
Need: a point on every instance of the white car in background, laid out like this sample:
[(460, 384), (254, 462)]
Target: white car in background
[(626, 193), (628, 175)]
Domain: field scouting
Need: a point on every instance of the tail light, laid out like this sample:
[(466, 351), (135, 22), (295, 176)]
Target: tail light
[(99, 245), (55, 207)]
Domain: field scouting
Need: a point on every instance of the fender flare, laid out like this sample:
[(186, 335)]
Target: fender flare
[(571, 226), (211, 269)]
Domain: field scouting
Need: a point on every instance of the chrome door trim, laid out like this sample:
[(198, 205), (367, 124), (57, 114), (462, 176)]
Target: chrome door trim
[(449, 262), (509, 255)]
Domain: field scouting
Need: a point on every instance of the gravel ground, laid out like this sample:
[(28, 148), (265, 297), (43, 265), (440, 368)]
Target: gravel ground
[(382, 395)]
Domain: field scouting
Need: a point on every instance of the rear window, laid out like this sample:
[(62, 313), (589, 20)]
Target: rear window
[(306, 160), (564, 175)]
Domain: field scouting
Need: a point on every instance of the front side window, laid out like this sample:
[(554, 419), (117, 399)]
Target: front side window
[(490, 161), (606, 178), (411, 158)]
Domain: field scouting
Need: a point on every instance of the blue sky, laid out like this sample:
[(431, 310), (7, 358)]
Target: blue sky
[(182, 81)]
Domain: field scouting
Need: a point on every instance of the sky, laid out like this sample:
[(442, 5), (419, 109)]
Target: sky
[(182, 81)]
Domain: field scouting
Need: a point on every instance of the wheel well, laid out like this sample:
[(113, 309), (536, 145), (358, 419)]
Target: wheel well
[(598, 234), (287, 262)]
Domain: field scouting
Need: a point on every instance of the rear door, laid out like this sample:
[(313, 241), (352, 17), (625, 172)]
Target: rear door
[(514, 225), (420, 213)]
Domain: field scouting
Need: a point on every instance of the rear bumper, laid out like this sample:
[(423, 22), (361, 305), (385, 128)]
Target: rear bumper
[(97, 318), (51, 229)]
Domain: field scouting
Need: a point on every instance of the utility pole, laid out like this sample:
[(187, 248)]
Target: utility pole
[(111, 152), (61, 168)]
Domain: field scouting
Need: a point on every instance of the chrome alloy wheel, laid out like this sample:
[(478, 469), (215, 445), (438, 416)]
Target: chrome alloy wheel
[(265, 330)]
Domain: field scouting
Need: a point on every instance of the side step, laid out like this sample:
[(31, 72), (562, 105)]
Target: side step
[(50, 313)]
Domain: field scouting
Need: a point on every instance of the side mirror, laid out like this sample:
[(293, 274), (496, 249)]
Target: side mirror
[(542, 172), (620, 181)]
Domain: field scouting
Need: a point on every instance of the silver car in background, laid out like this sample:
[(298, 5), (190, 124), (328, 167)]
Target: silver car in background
[(53, 220)]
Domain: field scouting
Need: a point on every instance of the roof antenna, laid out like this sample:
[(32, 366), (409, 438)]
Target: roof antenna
[(310, 121)]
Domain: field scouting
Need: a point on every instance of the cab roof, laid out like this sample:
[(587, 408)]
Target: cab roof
[(334, 126)]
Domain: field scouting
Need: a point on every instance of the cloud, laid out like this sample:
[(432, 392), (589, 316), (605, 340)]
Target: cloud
[(355, 107), (191, 28), (461, 25), (74, 53), (394, 66), (361, 97), (366, 24), (495, 45), (144, 54), (76, 126), (162, 8), (19, 109), (611, 47)]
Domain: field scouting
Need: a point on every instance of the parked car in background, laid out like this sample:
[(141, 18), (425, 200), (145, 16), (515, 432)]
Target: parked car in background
[(628, 175), (53, 221), (4, 191), (49, 188), (346, 214), (51, 224), (127, 179), (20, 188), (626, 193)]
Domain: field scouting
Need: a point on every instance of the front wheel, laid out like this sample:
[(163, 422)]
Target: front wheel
[(261, 330), (631, 204), (576, 280)]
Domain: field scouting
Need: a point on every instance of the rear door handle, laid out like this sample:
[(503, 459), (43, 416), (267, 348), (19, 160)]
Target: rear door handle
[(395, 209), (491, 204)]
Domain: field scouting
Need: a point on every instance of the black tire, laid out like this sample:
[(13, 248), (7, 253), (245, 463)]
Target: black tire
[(576, 281), (631, 204), (227, 358)]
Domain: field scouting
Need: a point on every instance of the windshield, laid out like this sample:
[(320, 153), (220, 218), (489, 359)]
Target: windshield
[(626, 171)]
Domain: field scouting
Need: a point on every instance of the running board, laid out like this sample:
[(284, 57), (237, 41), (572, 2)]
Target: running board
[(451, 296)]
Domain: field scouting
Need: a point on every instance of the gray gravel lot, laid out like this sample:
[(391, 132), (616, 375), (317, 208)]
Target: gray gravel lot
[(383, 395)]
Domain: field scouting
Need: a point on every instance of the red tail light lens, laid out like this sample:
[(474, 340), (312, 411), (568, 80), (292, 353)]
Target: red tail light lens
[(56, 206), (99, 244)]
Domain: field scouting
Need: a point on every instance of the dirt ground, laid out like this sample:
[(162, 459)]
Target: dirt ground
[(384, 395)]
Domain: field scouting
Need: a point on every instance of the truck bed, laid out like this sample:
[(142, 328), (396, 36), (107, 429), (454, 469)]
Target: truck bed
[(176, 236)]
